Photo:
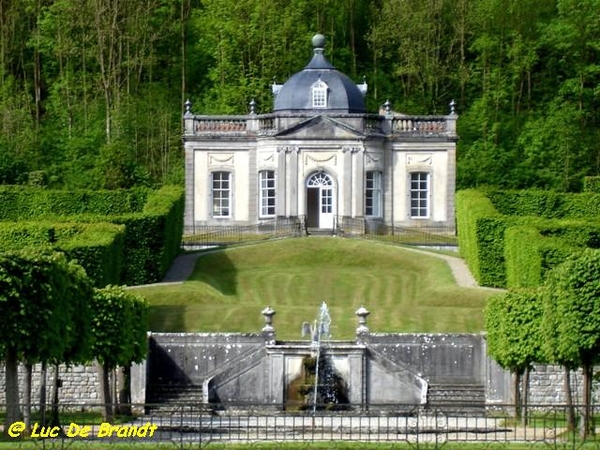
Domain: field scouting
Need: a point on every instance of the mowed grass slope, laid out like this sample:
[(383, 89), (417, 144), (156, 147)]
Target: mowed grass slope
[(405, 291)]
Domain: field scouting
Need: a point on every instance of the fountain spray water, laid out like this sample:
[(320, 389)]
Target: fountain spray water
[(322, 329)]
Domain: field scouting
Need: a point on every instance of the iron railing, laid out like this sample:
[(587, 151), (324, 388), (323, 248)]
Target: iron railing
[(397, 426), (425, 235), (429, 235), (210, 235)]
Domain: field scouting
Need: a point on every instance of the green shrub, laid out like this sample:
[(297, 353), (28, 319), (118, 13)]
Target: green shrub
[(120, 237), (99, 248), (591, 184), (17, 235), (530, 254), (481, 237), (27, 203), (512, 238), (547, 204), (152, 237)]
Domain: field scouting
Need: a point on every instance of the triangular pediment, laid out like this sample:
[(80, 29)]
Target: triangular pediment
[(320, 127)]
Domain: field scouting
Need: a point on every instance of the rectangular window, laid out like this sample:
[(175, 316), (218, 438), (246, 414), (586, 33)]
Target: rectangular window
[(221, 194), (319, 95), (419, 195), (266, 193), (373, 194)]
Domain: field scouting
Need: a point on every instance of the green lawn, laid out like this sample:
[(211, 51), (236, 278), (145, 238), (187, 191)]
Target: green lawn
[(404, 290)]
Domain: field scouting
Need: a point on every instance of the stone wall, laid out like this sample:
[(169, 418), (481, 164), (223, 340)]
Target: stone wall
[(80, 384), (190, 358), (546, 386), (439, 358)]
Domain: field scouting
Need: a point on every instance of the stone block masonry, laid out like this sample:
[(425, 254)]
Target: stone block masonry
[(80, 385)]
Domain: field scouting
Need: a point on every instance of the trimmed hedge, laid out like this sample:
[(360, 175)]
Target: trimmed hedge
[(153, 237), (512, 238), (16, 235), (27, 203), (98, 247), (530, 255), (135, 246), (481, 237), (547, 204)]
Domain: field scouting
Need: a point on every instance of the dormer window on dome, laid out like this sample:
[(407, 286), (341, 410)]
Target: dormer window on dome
[(319, 94)]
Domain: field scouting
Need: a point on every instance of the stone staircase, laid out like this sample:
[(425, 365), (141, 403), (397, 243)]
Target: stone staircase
[(172, 398), (457, 399)]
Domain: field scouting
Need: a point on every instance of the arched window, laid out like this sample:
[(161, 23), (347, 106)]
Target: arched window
[(373, 197), (266, 193), (319, 95), (419, 195), (221, 194)]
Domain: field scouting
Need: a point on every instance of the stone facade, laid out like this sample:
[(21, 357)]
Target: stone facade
[(325, 160)]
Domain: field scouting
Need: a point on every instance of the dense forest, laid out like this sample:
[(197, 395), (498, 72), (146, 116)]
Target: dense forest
[(92, 91)]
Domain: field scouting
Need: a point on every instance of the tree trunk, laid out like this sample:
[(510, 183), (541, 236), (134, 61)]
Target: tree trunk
[(105, 388), (569, 399), (123, 386), (517, 394), (55, 420), (27, 395), (525, 395), (584, 429), (13, 412), (43, 388)]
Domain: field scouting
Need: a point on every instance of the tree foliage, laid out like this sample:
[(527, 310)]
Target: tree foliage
[(44, 302), (119, 325), (513, 326), (572, 311), (95, 99)]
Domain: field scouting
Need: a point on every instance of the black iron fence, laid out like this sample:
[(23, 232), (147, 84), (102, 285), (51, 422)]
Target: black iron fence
[(223, 235), (267, 426), (427, 235)]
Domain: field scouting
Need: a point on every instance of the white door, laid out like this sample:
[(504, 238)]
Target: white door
[(326, 199)]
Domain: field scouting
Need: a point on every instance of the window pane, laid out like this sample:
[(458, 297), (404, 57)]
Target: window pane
[(221, 193), (267, 193), (373, 194), (419, 195)]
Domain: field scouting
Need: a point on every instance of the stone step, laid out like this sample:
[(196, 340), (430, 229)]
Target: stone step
[(457, 399), (174, 393)]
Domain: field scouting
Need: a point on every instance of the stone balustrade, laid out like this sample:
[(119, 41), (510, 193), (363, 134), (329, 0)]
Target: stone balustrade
[(422, 125), (219, 124), (266, 125)]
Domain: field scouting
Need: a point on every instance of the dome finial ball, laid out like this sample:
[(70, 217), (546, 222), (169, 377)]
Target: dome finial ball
[(318, 41)]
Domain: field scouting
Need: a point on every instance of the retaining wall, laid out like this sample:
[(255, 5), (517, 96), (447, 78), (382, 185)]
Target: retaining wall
[(190, 358)]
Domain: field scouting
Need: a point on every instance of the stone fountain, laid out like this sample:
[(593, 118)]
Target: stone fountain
[(374, 369)]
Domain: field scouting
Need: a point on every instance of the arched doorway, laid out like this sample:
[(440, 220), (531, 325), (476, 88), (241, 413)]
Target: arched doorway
[(320, 200)]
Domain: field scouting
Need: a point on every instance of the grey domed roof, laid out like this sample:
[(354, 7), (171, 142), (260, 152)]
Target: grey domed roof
[(343, 95)]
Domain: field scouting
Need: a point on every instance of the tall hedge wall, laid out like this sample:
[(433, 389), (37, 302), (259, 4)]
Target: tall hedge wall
[(529, 255), (481, 237), (134, 246), (547, 204), (27, 203), (512, 238), (152, 237), (98, 247)]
